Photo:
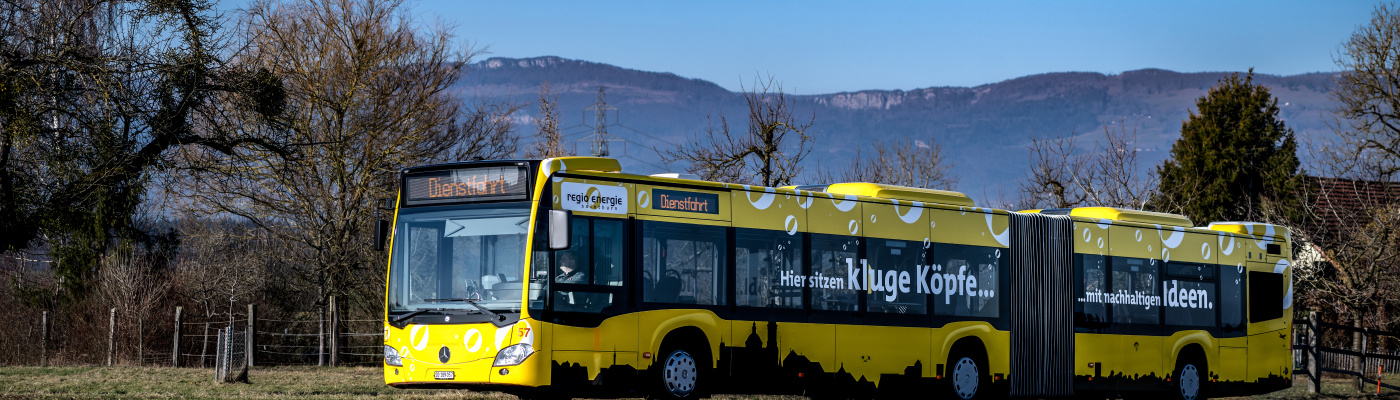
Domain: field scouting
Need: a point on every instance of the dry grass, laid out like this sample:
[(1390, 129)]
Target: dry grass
[(315, 383), (190, 383)]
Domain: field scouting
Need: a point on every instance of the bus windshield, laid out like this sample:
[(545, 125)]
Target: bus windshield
[(445, 256)]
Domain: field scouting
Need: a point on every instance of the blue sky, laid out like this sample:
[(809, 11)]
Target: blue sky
[(828, 46)]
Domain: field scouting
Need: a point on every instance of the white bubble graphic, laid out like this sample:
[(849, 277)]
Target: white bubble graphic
[(872, 219), (852, 226), (556, 199), (764, 200), (1100, 243), (1279, 268), (1087, 236), (790, 225), (1205, 251), (1138, 234), (1224, 248), (473, 341), (1000, 237), (418, 344), (501, 335), (1173, 240), (1166, 255), (927, 243), (914, 212), (643, 199), (806, 201), (846, 204)]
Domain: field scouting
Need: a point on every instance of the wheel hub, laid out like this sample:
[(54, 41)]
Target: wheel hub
[(679, 373), (965, 378), (1190, 382)]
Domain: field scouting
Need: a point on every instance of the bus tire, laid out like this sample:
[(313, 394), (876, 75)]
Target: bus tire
[(967, 374), (1190, 374), (681, 372)]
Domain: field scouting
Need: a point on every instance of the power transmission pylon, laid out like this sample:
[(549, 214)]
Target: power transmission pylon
[(598, 140)]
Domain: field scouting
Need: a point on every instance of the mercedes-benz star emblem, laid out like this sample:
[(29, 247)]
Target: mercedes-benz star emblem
[(447, 318), (444, 355)]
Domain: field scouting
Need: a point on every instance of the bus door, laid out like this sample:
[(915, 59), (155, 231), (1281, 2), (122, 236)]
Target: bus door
[(1234, 338), (593, 331), (1269, 325), (1135, 272)]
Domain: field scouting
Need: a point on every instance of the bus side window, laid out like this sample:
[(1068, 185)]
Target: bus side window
[(1232, 305), (1135, 286), (1189, 297), (608, 255), (893, 261), (1091, 315), (1265, 296), (958, 268), (832, 256), (687, 261), (767, 265)]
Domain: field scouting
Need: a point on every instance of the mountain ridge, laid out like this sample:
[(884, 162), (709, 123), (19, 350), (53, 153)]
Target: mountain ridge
[(983, 129)]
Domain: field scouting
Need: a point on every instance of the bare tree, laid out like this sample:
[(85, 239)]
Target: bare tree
[(368, 93), (769, 152), (1062, 176), (128, 283), (905, 162), (549, 142), (1054, 179), (1367, 93)]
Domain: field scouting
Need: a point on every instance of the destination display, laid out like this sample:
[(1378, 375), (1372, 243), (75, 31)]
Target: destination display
[(465, 183), (671, 200)]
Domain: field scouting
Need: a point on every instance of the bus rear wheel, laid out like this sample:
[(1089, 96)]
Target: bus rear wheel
[(1190, 379), (680, 374)]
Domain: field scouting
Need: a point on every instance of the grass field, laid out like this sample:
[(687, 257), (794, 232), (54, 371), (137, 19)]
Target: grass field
[(314, 383)]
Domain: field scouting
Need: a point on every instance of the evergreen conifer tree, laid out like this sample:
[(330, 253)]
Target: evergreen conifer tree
[(1235, 160)]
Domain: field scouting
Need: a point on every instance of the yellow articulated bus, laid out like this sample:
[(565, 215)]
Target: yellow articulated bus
[(566, 276)]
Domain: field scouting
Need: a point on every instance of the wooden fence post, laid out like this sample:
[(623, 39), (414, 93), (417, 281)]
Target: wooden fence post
[(218, 356), (204, 344), (44, 340), (335, 332), (1361, 369), (111, 334), (320, 336), (1314, 364), (252, 329), (140, 340), (175, 348)]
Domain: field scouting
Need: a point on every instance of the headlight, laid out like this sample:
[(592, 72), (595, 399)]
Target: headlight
[(513, 355), (391, 357)]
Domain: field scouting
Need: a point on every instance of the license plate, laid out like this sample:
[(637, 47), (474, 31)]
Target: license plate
[(444, 374)]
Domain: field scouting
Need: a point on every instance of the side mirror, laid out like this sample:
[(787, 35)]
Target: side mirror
[(560, 225), (381, 234)]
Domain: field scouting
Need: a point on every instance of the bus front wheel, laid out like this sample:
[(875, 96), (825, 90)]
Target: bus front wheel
[(680, 374), (966, 373)]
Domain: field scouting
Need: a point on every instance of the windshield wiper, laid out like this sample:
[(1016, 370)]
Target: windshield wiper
[(495, 318), (398, 321)]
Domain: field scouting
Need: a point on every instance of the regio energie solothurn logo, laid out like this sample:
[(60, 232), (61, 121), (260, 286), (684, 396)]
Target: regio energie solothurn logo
[(593, 198)]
